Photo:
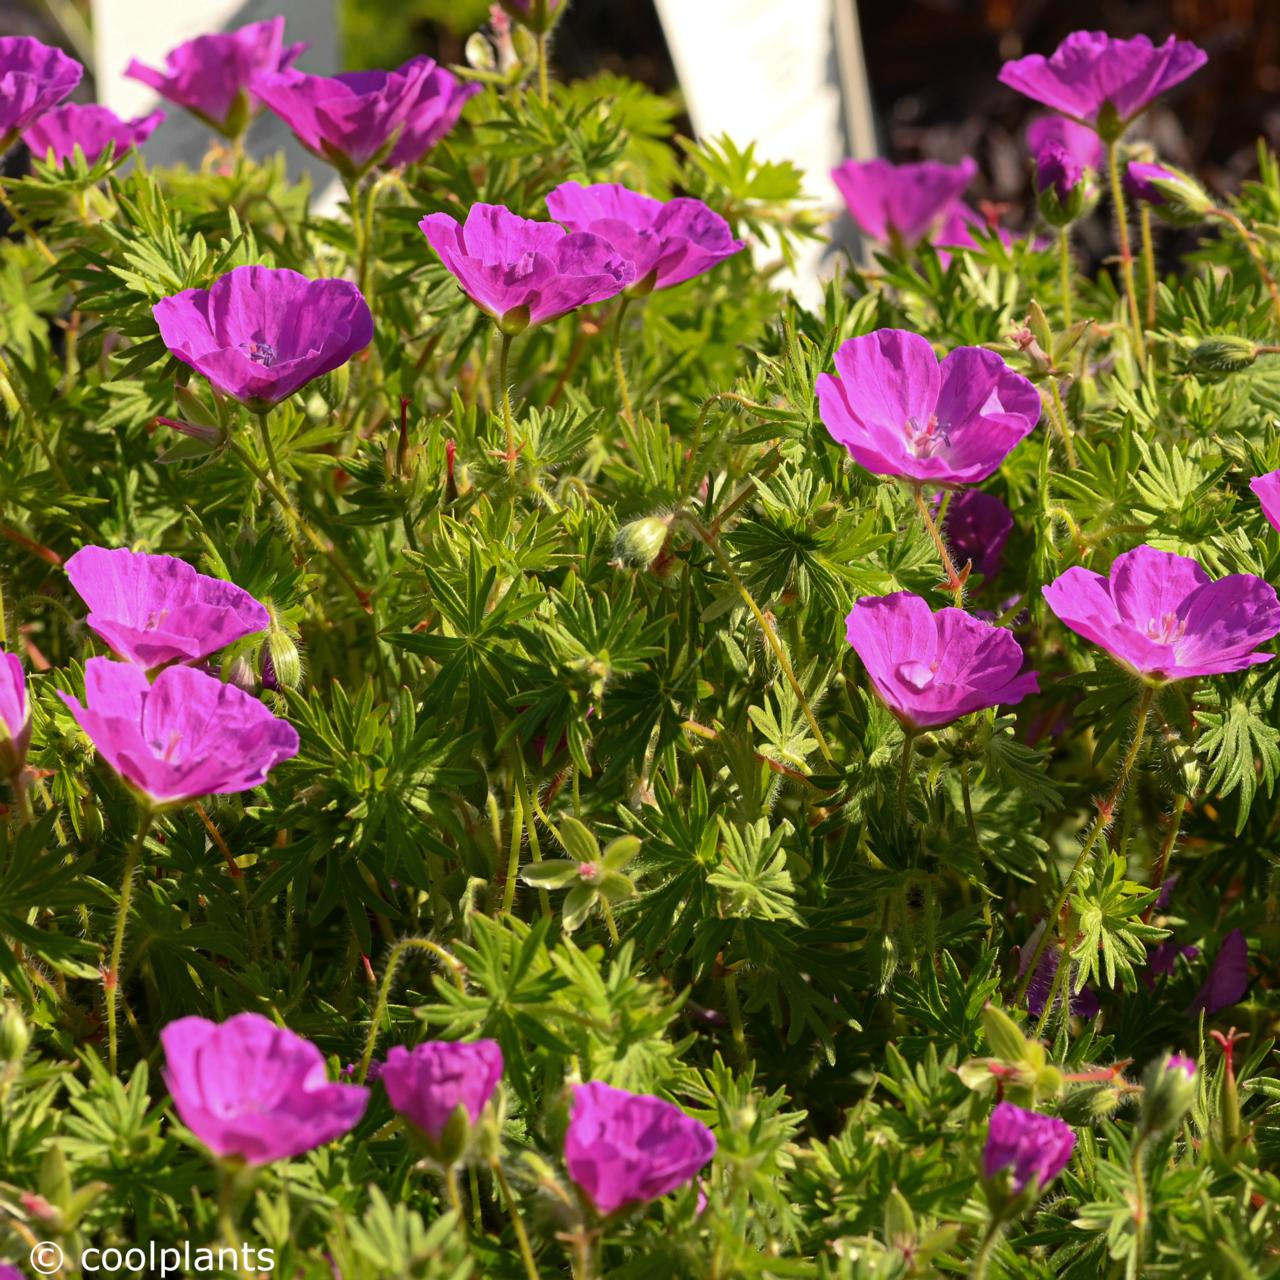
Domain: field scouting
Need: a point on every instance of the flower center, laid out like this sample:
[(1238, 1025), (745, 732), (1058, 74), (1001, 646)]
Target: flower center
[(917, 675), (588, 871), (171, 747), (925, 441), (262, 353), (1167, 630), (154, 620)]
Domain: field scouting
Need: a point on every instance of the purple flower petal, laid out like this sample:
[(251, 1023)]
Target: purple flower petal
[(905, 201), (627, 1148), (89, 127), (260, 334), (188, 735), (427, 1083), (34, 78), (158, 609), (1228, 980), (1160, 614), (932, 668), (212, 76), (1034, 1148), (1091, 70), (250, 1089), (901, 414)]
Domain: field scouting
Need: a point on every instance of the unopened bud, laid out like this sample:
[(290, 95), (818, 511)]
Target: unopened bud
[(639, 543), (479, 53), (239, 673), (1171, 1086), (285, 661), (1223, 354), (1089, 1104), (334, 386), (14, 1035), (1175, 196)]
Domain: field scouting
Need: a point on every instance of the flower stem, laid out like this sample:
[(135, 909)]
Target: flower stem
[(1139, 1204), (955, 582), (1061, 976), (517, 1223), (384, 990), (1148, 265), (504, 357), (1064, 423), (695, 447), (111, 980), (619, 369), (1105, 811), (734, 1007), (1064, 274), (22, 795), (967, 798), (517, 840), (544, 84), (1166, 848), (770, 635), (1126, 252), (277, 487), (904, 768), (983, 1257), (455, 1196)]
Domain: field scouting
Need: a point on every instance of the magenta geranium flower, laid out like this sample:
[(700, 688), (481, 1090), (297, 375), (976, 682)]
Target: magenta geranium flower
[(185, 736), (1091, 75), (213, 76), (1267, 490), (1033, 1148), (89, 127), (15, 715), (903, 202), (357, 119), (34, 78), (1161, 615), (628, 1148), (157, 609), (259, 334), (441, 97), (900, 413), (667, 243), (932, 668), (250, 1089), (522, 272), (978, 526), (1081, 142), (428, 1083)]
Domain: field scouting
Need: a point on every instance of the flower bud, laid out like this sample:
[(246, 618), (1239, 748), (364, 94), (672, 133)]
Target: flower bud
[(640, 542), (334, 386), (1223, 353), (14, 1035), (1090, 1103), (1060, 185), (239, 673), (1170, 1084), (1176, 196), (479, 53), (285, 662)]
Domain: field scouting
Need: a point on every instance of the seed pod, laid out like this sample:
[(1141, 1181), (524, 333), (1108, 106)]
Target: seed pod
[(639, 543)]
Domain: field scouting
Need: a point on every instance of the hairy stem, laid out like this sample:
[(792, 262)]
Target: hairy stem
[(1064, 423), (1126, 252), (504, 359), (517, 1222), (904, 767), (398, 953), (1140, 1211), (954, 583), (517, 840), (111, 980), (1148, 265), (619, 368), (1248, 239), (1064, 274)]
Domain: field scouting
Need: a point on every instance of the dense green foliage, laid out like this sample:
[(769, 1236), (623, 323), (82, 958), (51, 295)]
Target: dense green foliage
[(629, 641)]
